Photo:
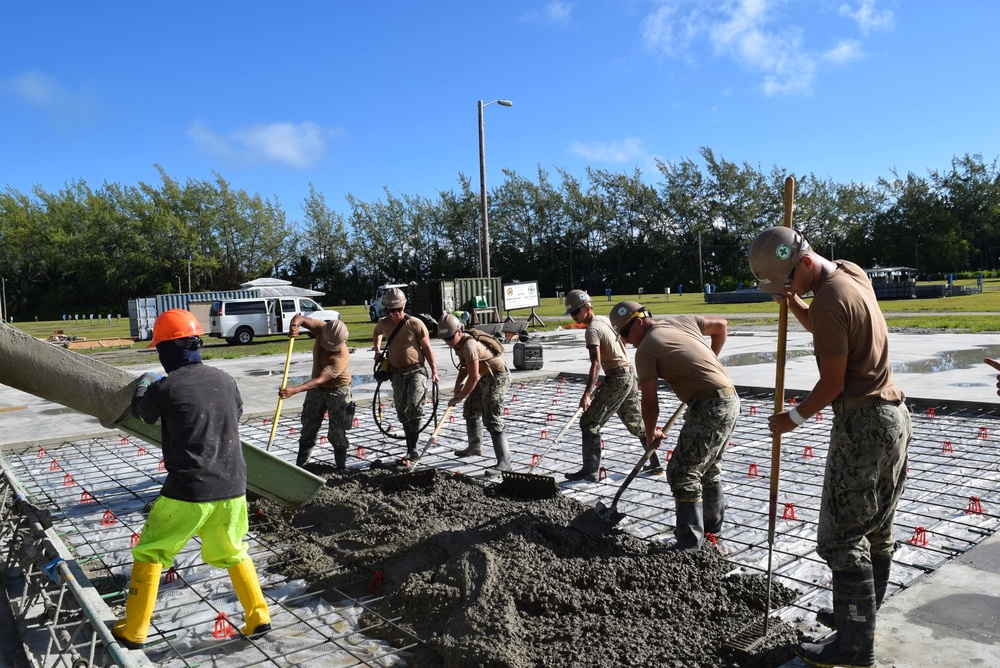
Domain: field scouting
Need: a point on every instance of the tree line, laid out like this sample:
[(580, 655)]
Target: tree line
[(94, 249)]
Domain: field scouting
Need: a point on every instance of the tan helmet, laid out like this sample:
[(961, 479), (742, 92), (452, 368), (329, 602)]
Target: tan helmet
[(449, 326), (333, 335), (625, 312), (773, 255), (575, 299), (394, 298)]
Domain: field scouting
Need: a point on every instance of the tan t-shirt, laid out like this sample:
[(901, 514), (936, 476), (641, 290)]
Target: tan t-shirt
[(612, 349), (845, 319), (405, 349), (471, 352), (338, 362), (675, 350)]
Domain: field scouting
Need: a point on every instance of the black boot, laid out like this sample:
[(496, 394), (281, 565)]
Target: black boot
[(502, 452), (653, 466), (853, 646), (340, 457), (474, 428), (713, 501), (690, 529), (411, 444), (303, 457), (591, 459), (881, 567)]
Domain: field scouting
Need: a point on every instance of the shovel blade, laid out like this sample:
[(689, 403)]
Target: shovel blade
[(597, 521)]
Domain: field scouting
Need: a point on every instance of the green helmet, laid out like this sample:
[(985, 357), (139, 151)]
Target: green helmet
[(625, 312), (575, 299), (449, 326), (773, 255)]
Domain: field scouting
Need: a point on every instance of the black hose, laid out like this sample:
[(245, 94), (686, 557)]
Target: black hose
[(377, 406)]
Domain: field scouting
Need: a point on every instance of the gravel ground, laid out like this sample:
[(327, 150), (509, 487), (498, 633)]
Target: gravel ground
[(488, 580)]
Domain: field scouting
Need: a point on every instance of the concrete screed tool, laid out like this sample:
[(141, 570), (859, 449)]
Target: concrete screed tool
[(531, 485)]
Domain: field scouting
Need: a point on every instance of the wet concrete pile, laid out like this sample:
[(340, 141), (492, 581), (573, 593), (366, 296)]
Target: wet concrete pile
[(487, 580)]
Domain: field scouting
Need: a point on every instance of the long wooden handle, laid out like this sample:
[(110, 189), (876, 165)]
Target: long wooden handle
[(284, 382), (562, 431), (646, 455), (779, 406)]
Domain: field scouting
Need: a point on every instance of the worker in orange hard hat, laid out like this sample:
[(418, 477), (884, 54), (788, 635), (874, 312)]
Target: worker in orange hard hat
[(204, 493)]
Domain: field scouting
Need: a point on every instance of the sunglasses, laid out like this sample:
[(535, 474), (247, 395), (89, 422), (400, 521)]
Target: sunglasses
[(449, 338), (575, 312), (791, 274), (395, 310), (627, 328)]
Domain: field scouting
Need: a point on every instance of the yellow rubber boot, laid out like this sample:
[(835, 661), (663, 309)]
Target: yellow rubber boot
[(132, 631), (247, 586)]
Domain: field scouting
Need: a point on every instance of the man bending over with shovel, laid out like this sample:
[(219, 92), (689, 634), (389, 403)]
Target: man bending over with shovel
[(617, 394), (675, 350), (869, 438)]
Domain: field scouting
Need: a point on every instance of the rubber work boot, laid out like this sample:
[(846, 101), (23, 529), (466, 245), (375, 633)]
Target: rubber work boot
[(591, 459), (145, 582), (247, 586), (853, 646), (653, 466), (474, 429), (340, 458), (881, 567), (303, 457), (411, 444), (713, 501), (690, 529), (502, 452)]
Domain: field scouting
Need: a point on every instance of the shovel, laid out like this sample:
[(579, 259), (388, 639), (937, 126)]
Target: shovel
[(601, 519), (284, 382), (412, 478), (530, 485)]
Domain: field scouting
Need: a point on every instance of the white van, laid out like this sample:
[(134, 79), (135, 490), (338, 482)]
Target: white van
[(240, 320)]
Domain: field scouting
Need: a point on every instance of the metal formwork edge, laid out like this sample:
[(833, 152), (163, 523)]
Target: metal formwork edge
[(50, 597)]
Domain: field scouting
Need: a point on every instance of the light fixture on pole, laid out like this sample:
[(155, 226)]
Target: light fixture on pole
[(484, 233)]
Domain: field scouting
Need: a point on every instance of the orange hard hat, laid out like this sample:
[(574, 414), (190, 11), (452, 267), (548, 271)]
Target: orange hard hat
[(175, 324)]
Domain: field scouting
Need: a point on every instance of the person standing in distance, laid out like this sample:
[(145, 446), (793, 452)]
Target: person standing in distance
[(675, 350), (204, 493), (869, 438), (618, 394), (327, 391), (482, 383), (409, 345)]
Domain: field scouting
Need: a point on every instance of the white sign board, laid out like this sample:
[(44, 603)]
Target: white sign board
[(520, 295)]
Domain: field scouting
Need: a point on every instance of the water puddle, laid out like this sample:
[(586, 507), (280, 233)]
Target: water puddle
[(57, 411), (749, 359), (950, 360)]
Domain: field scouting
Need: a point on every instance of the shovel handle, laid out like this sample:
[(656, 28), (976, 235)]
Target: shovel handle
[(284, 382), (645, 457), (559, 436)]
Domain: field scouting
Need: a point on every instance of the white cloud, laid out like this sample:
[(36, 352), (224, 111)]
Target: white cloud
[(40, 91), (756, 34), (297, 145), (618, 152), (554, 12), (845, 51), (868, 17)]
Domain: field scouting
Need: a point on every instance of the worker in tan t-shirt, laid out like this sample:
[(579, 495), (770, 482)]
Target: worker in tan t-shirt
[(869, 437), (482, 383), (618, 394), (408, 349), (675, 350), (327, 391)]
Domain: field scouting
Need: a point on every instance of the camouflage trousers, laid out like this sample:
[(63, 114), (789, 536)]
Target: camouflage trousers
[(409, 392), (320, 401), (617, 394), (864, 478), (697, 458), (487, 401)]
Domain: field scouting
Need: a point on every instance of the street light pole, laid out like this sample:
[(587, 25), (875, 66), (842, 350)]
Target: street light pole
[(484, 233)]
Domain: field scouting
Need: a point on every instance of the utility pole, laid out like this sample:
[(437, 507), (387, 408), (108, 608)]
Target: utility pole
[(701, 270)]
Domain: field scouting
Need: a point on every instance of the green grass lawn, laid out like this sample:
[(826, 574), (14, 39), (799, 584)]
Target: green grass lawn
[(970, 313)]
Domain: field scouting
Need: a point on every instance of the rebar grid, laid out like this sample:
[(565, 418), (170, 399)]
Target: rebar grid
[(945, 511)]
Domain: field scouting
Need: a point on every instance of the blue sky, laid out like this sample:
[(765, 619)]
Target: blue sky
[(356, 97)]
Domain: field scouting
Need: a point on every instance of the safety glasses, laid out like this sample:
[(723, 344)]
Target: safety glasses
[(627, 328), (449, 338), (575, 312), (395, 310)]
